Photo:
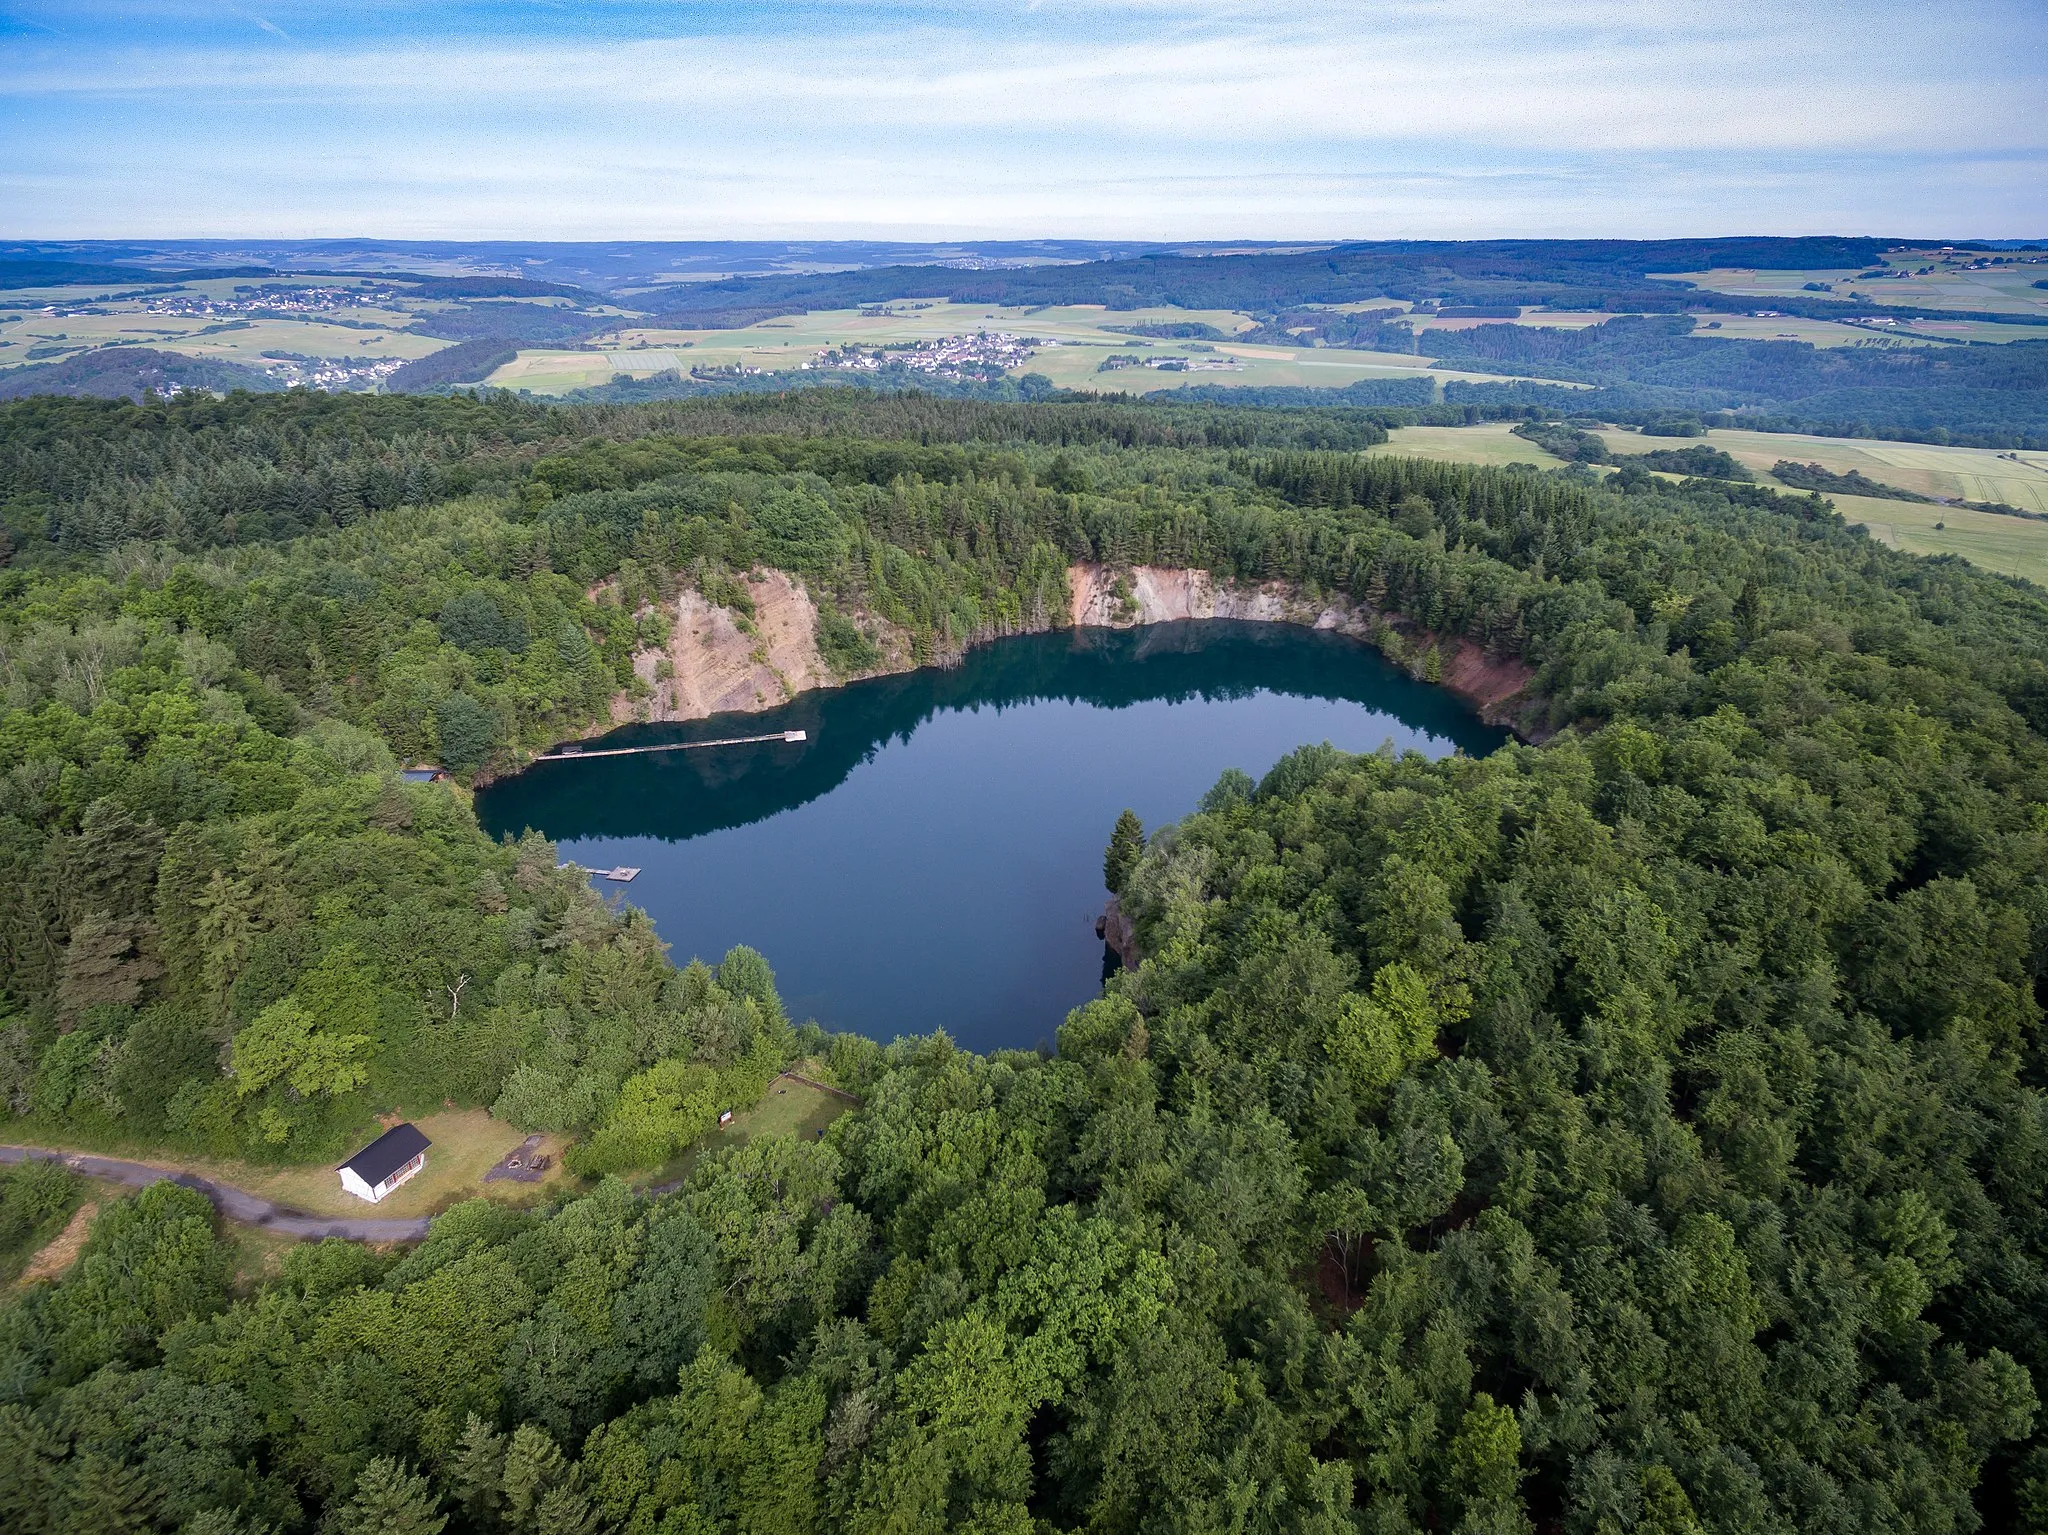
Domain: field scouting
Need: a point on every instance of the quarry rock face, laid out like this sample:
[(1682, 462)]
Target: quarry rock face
[(720, 662)]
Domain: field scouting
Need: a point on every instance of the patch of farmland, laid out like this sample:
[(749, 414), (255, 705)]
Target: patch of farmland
[(2013, 546)]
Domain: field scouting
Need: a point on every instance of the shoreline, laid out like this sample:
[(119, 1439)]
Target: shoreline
[(721, 662)]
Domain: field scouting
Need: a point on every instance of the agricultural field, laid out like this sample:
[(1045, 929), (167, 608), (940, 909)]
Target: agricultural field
[(2013, 546), (1078, 339), (1957, 474), (1491, 443), (2006, 289), (50, 324), (2009, 545), (1826, 333)]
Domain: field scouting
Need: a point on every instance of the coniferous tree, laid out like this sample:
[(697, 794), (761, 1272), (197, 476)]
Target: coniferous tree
[(390, 1500), (1126, 847)]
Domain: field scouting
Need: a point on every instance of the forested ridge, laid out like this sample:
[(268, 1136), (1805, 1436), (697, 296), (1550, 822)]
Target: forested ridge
[(1637, 1132)]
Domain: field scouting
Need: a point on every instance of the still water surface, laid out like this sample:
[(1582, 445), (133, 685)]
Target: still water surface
[(931, 857)]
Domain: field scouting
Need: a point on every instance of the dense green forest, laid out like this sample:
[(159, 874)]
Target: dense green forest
[(1637, 1132)]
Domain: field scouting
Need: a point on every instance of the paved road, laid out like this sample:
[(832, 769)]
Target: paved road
[(234, 1203)]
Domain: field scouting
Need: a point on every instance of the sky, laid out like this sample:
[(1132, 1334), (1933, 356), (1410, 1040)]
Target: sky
[(1114, 119)]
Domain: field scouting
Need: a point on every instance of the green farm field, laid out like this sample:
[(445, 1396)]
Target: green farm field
[(127, 322), (2013, 546), (1959, 474), (1491, 443), (1999, 290), (1082, 332)]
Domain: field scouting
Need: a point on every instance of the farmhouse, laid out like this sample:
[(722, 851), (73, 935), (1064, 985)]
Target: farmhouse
[(385, 1163)]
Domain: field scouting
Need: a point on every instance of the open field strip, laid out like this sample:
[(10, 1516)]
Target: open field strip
[(1823, 333), (2013, 546), (1490, 443), (2009, 545), (1963, 474), (128, 326), (2007, 289)]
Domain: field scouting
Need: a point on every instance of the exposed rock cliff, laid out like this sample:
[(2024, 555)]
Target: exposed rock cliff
[(1147, 594), (717, 661)]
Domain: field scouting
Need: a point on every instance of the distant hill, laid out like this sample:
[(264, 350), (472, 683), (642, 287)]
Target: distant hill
[(124, 372), (53, 274)]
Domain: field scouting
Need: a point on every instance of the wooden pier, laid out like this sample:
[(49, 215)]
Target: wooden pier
[(578, 753)]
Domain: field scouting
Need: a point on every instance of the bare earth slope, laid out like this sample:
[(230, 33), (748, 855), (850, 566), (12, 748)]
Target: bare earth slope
[(719, 661)]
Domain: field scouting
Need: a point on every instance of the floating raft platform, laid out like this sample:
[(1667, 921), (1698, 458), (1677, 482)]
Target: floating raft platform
[(578, 753)]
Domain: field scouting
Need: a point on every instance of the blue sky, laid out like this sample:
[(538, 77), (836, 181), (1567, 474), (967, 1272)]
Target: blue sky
[(1165, 119)]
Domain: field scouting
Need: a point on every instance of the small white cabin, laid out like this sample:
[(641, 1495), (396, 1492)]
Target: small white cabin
[(391, 1159)]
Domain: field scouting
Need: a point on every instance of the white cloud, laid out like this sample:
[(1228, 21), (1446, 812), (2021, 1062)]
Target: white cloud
[(1176, 117)]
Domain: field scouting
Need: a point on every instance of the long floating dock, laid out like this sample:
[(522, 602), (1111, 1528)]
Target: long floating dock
[(577, 754)]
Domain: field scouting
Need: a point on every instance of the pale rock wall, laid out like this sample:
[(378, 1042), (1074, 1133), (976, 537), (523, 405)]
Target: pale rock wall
[(719, 667), (1159, 595)]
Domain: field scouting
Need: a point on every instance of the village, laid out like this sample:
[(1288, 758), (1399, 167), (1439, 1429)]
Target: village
[(982, 354)]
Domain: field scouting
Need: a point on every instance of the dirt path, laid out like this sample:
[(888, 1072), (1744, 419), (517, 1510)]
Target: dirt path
[(235, 1204), (62, 1250)]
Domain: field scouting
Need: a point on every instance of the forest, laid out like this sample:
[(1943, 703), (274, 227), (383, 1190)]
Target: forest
[(1638, 1131)]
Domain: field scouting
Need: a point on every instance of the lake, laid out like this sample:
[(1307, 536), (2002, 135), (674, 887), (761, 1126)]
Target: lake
[(931, 856)]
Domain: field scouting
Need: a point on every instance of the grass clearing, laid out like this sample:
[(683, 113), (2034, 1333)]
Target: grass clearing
[(1492, 443), (2012, 546), (466, 1144), (258, 1255), (1959, 474), (789, 1107)]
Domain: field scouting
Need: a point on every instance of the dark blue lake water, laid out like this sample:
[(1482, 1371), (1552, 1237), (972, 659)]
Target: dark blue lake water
[(931, 857)]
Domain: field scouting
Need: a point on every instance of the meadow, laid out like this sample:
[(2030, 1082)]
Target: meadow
[(26, 328), (1491, 443), (2000, 290), (1084, 333), (1930, 469), (2008, 545)]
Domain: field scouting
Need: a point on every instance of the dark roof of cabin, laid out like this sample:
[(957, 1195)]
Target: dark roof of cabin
[(387, 1153)]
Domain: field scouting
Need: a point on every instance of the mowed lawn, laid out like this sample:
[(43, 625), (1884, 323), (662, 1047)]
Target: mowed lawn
[(2004, 289)]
